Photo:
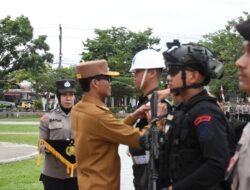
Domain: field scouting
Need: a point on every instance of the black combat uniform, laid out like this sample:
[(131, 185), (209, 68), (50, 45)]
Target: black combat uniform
[(196, 149), (139, 157)]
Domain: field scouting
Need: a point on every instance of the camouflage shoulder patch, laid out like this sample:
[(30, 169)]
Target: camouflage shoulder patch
[(103, 107)]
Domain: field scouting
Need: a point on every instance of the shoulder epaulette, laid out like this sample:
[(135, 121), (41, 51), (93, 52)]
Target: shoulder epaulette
[(103, 107)]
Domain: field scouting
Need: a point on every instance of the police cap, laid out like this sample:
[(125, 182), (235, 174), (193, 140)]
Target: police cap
[(244, 29), (66, 86), (94, 68)]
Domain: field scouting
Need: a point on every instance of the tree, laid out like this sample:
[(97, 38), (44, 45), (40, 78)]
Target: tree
[(44, 81), (118, 45), (227, 45), (18, 49)]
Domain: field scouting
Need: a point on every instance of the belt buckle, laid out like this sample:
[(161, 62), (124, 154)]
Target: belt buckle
[(142, 159)]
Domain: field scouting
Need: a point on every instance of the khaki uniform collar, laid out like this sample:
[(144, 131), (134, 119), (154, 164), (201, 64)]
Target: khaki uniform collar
[(93, 100)]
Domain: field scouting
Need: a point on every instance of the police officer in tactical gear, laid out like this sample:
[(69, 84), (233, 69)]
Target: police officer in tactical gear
[(56, 125), (196, 152), (147, 66)]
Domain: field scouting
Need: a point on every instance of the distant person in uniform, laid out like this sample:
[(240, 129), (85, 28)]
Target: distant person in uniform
[(56, 125), (241, 179), (98, 132)]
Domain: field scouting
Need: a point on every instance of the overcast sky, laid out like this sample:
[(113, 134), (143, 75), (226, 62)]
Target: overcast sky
[(186, 20)]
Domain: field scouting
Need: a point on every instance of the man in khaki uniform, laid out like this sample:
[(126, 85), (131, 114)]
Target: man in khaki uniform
[(98, 132)]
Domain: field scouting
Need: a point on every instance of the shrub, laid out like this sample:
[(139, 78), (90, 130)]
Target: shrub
[(37, 105)]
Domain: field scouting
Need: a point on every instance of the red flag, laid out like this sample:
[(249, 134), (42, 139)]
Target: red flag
[(222, 93)]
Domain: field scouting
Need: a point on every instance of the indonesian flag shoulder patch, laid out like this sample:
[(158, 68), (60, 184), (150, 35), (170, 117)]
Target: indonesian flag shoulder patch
[(203, 118)]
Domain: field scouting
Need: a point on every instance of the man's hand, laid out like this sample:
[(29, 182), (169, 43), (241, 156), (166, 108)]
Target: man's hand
[(161, 110), (44, 150), (170, 188), (140, 112), (162, 94)]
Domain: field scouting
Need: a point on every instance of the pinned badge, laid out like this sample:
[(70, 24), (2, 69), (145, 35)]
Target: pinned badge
[(67, 84)]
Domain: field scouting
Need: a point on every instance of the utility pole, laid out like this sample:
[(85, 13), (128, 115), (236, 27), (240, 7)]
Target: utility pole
[(60, 46)]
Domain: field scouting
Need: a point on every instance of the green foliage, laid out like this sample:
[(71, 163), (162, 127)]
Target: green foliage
[(227, 45), (44, 81), (114, 109), (121, 89), (37, 105), (118, 46), (18, 49), (124, 86)]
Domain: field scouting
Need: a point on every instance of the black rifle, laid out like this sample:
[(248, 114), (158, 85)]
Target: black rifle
[(153, 144)]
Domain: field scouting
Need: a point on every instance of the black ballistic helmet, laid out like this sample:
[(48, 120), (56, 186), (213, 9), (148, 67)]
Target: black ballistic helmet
[(196, 57)]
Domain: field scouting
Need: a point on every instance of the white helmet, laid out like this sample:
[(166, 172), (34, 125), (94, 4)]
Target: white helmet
[(147, 59)]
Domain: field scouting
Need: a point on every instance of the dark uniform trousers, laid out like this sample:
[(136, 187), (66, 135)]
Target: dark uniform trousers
[(51, 183), (138, 169)]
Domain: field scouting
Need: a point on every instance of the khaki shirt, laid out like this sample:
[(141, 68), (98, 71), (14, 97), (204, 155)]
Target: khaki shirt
[(97, 137), (55, 125), (241, 179)]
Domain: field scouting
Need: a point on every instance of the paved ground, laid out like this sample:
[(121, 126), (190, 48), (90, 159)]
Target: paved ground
[(11, 152)]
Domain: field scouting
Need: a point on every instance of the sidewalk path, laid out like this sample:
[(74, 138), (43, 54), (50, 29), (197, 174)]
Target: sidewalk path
[(11, 152)]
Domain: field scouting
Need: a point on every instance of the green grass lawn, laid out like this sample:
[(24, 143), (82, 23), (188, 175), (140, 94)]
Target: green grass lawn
[(33, 118), (18, 128), (21, 139), (23, 175)]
